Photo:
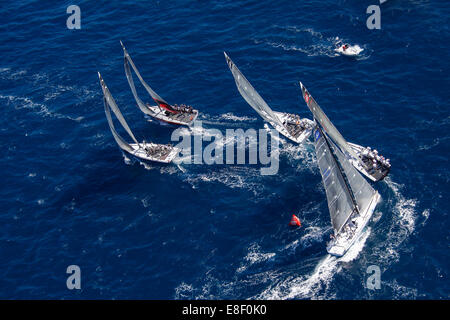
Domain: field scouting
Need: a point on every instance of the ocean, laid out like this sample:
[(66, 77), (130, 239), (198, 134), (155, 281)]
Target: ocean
[(69, 196)]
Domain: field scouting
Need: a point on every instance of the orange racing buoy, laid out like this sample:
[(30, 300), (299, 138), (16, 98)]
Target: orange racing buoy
[(295, 221)]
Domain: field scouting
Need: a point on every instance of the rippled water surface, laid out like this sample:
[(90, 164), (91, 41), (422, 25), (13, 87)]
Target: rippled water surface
[(69, 196)]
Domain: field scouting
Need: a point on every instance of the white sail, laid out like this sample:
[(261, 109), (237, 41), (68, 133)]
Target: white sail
[(161, 102), (139, 102), (110, 104), (120, 141), (327, 126), (251, 95)]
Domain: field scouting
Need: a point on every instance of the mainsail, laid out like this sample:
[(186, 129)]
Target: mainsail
[(347, 191), (326, 124), (110, 104), (362, 191), (339, 197), (251, 95), (160, 101)]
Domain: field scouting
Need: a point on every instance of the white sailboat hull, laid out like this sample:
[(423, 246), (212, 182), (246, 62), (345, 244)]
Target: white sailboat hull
[(160, 114), (342, 243), (300, 138), (357, 164), (350, 51), (357, 148), (140, 153)]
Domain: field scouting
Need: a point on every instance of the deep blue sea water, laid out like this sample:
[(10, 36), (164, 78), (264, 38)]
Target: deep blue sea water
[(69, 196)]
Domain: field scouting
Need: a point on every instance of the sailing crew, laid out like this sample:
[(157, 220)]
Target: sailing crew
[(364, 153), (147, 149)]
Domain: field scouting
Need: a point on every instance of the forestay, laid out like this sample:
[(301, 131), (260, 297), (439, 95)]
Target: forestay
[(251, 95)]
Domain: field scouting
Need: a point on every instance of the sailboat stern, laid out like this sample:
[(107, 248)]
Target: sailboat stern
[(352, 230)]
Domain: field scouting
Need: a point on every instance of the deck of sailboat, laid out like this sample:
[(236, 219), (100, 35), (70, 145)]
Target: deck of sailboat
[(182, 118), (156, 152), (296, 131), (348, 237), (371, 173)]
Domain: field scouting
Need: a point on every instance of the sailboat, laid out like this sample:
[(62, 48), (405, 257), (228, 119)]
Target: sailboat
[(144, 150), (366, 160), (289, 125), (351, 199), (162, 111)]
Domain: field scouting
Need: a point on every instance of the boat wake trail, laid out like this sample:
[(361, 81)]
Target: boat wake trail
[(317, 285), (226, 119), (311, 277), (307, 41), (54, 95), (19, 103), (302, 156), (234, 177), (395, 230), (402, 223)]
